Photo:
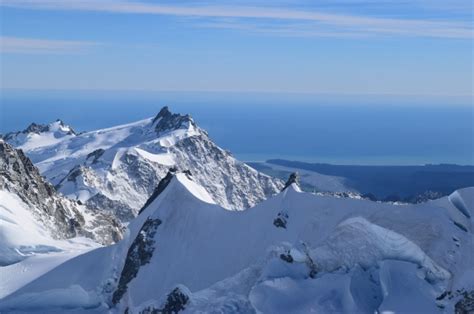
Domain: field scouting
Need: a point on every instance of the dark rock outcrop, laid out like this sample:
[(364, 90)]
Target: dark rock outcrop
[(466, 304), (281, 220), (95, 155), (287, 257), (36, 128), (166, 121), (176, 302), (18, 175), (294, 178), (139, 254), (160, 188)]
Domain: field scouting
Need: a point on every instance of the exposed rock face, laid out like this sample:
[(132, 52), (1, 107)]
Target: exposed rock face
[(281, 220), (233, 184), (176, 302), (466, 304), (118, 209), (294, 178), (287, 257), (18, 175), (63, 217), (160, 188), (95, 155), (166, 121), (139, 254), (36, 128)]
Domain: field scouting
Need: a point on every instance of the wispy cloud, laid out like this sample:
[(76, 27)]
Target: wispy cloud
[(42, 46), (316, 22)]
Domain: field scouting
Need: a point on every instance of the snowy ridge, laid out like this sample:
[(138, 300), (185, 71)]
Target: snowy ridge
[(38, 135), (295, 252), (116, 169)]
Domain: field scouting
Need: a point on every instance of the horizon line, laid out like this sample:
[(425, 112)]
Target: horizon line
[(321, 93)]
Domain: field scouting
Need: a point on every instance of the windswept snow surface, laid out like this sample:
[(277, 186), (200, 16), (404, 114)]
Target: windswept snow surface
[(324, 255), (116, 169), (27, 250)]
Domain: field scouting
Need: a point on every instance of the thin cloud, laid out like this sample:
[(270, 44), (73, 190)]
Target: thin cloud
[(323, 23), (42, 46), (284, 30)]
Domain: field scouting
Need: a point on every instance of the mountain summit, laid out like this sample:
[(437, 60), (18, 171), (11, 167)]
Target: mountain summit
[(117, 169), (166, 121), (40, 135)]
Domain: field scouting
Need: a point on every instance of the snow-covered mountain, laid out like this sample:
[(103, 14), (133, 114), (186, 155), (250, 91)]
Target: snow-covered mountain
[(117, 169), (33, 216), (293, 253), (39, 135)]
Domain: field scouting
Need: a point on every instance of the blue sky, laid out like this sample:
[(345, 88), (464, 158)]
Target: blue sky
[(419, 47)]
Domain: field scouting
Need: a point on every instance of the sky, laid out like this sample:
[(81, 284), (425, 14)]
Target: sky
[(387, 47)]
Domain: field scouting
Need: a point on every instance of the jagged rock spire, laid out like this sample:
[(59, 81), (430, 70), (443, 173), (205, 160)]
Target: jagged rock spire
[(36, 128), (165, 120), (294, 178), (164, 112)]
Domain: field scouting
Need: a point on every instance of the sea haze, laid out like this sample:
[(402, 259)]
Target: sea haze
[(314, 128)]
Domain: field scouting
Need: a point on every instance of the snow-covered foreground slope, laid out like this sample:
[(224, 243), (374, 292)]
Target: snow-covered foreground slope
[(295, 252), (116, 169), (39, 229), (22, 234)]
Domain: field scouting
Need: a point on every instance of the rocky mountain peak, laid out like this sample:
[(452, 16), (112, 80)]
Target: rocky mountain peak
[(294, 178), (58, 127), (36, 128), (164, 112), (165, 120)]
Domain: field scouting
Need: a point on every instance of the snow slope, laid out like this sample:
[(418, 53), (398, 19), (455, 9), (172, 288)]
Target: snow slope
[(27, 249), (295, 252), (116, 169), (40, 229)]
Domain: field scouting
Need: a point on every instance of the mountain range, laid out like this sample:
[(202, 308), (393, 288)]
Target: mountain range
[(117, 169), (153, 217)]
